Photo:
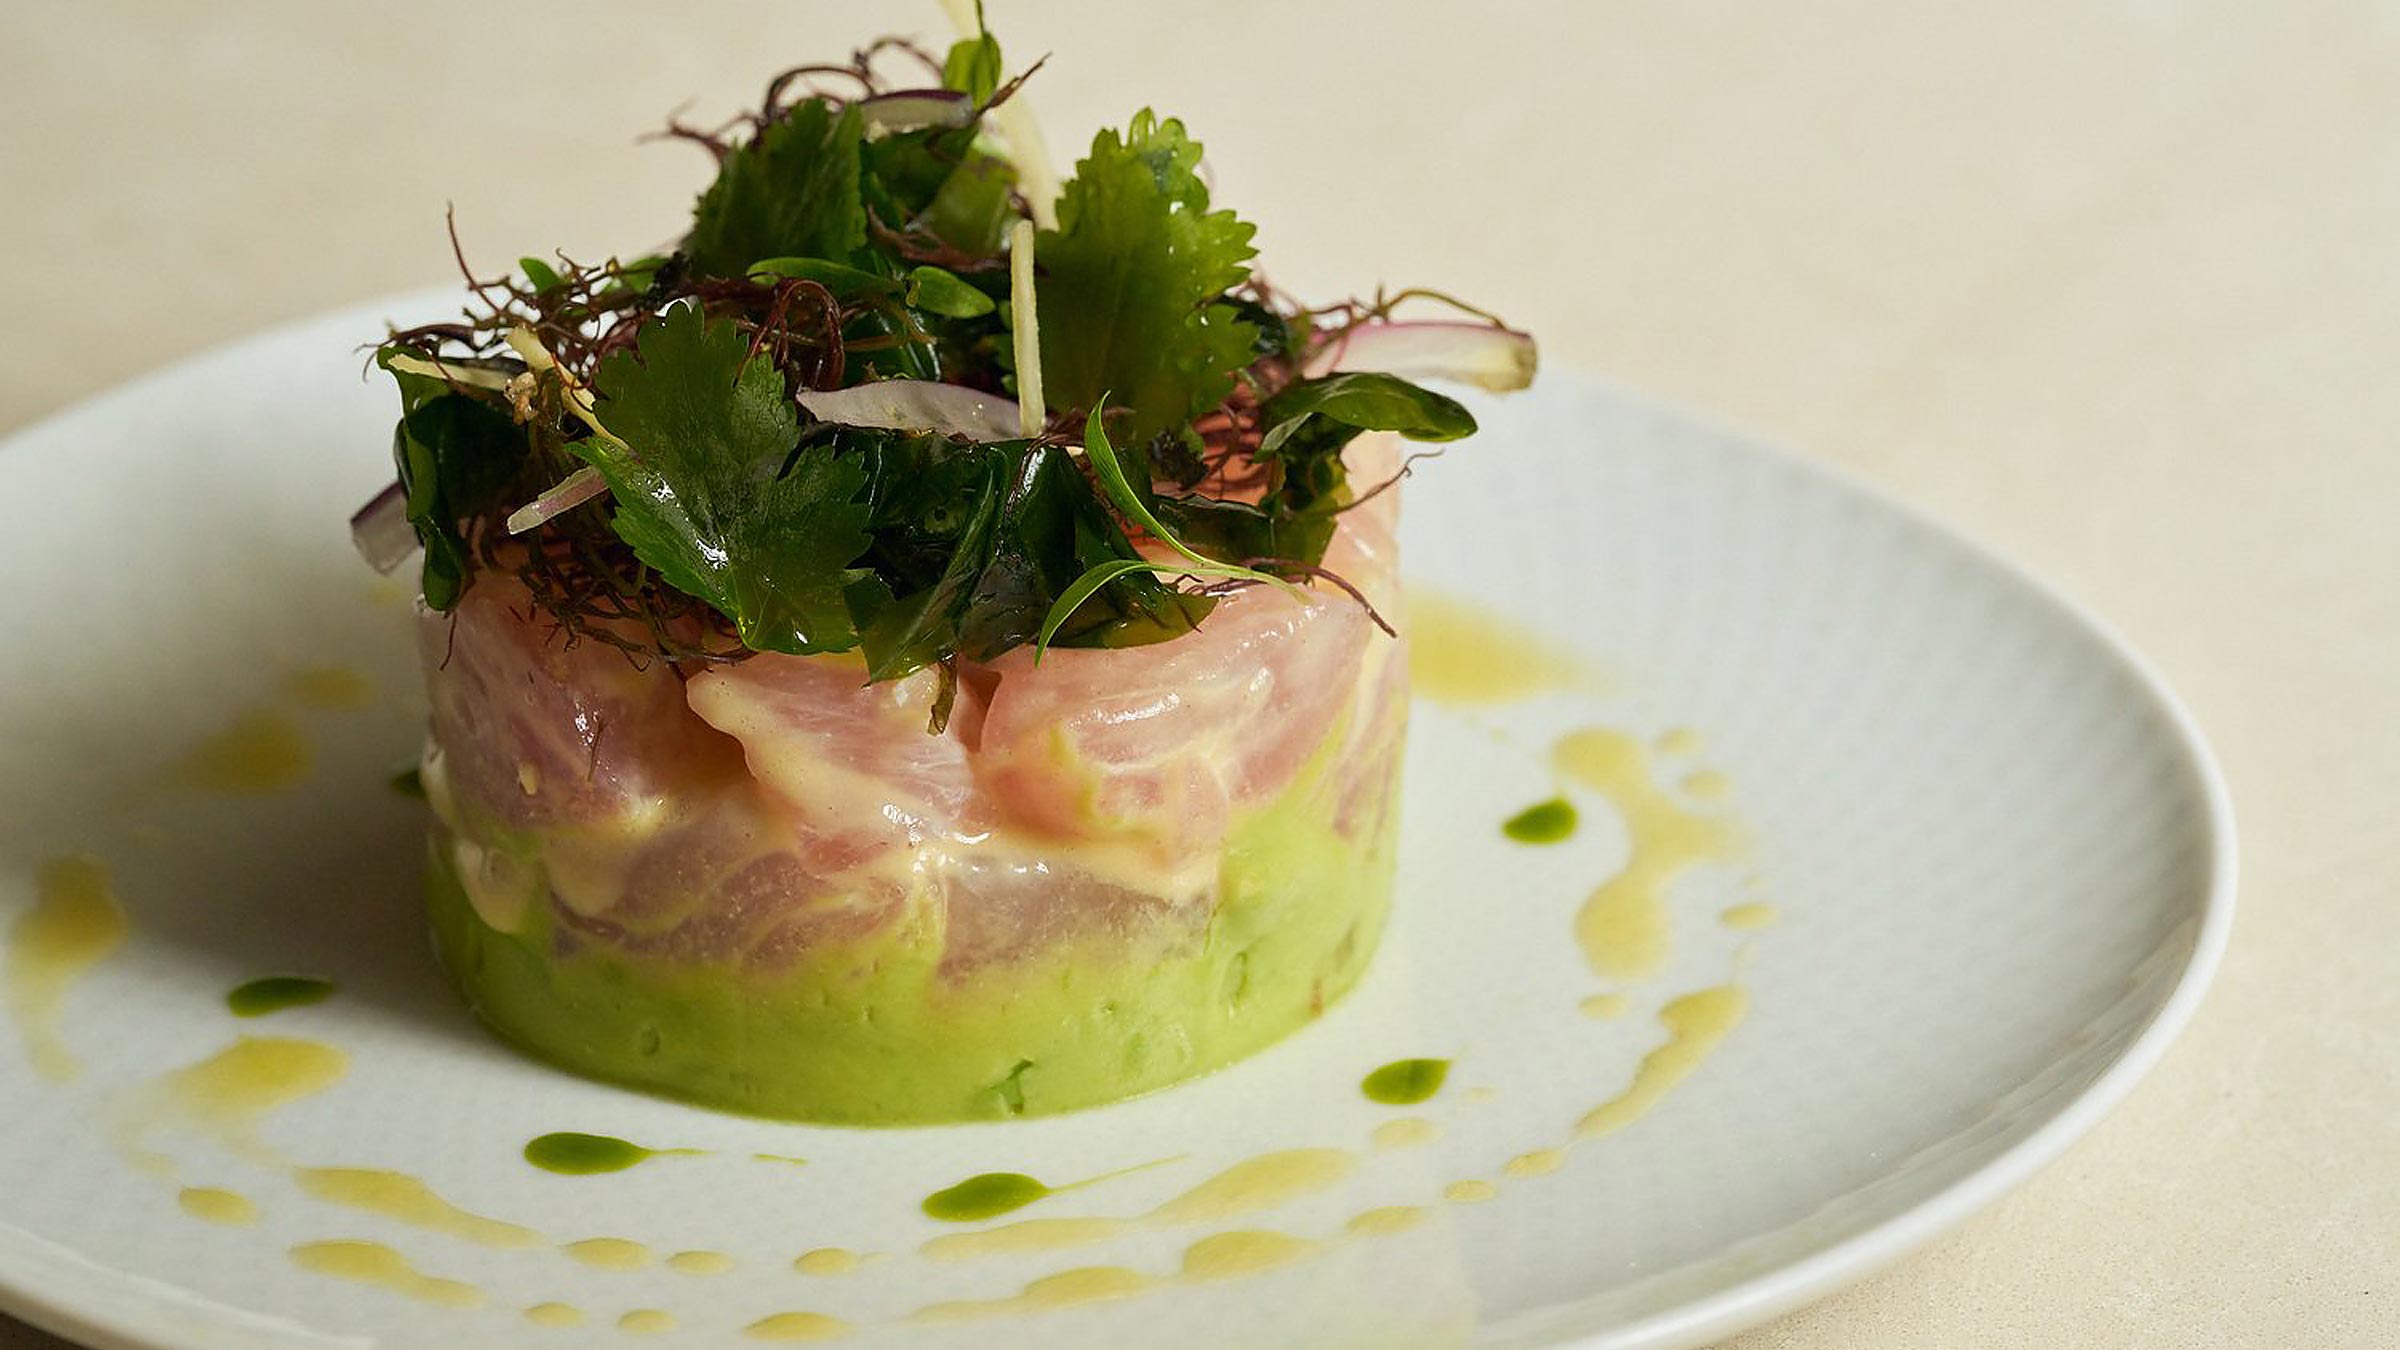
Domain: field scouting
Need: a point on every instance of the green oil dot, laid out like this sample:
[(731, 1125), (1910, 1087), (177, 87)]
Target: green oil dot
[(276, 993), (1542, 823), (581, 1155), (1404, 1082), (986, 1196)]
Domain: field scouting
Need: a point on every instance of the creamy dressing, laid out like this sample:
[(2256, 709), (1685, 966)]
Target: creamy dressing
[(827, 1261), (797, 1326), (226, 1096), (260, 752), (1457, 654), (75, 922), (1250, 1187), (609, 1253), (1695, 1024), (374, 1263), (1625, 927), (329, 689), (404, 1199), (214, 1205)]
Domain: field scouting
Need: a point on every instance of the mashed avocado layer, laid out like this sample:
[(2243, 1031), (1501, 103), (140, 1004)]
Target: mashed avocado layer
[(873, 1032)]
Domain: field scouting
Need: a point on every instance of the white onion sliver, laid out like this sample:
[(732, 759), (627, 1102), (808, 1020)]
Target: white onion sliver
[(909, 109), (381, 532), (915, 405), (1483, 354), (568, 493)]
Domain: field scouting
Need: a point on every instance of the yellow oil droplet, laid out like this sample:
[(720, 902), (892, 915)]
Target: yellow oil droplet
[(1025, 1235), (1262, 1183), (74, 924), (1458, 654), (226, 1096), (647, 1321), (554, 1315), (1386, 1221), (1226, 1256), (1066, 1289), (1624, 927), (1250, 1187), (1707, 785), (1679, 741), (410, 1201), (260, 752), (1478, 1096), (375, 1264), (1406, 1132), (1605, 1006), (608, 1253), (797, 1326), (217, 1206), (827, 1261), (332, 688), (700, 1262), (1469, 1192), (1748, 917), (1695, 1024), (1539, 1163)]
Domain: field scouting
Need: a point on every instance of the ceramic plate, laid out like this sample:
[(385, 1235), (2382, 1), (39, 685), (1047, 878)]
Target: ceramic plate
[(1893, 871)]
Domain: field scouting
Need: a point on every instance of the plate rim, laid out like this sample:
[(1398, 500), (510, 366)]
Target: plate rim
[(1709, 1317), (1784, 1288)]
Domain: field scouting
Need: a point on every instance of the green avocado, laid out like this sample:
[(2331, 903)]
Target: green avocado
[(875, 1033)]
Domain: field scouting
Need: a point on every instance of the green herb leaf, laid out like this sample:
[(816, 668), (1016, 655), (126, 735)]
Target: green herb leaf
[(1103, 458), (973, 66), (1358, 401), (972, 209), (1130, 280), (1309, 424), (939, 292), (792, 192), (1120, 489), (710, 492), (1091, 582), (543, 277), (454, 452), (842, 279)]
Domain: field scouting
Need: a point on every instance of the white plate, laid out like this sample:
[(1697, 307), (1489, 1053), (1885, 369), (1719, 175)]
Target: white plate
[(2001, 859)]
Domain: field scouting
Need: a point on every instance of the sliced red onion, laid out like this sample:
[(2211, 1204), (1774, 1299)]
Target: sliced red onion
[(381, 532), (1479, 353), (909, 109), (916, 405), (570, 492)]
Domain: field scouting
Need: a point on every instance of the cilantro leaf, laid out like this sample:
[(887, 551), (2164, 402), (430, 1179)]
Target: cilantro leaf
[(791, 192), (1131, 277), (709, 491)]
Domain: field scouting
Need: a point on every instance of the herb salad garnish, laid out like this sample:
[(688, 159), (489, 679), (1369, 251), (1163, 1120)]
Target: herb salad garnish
[(822, 423)]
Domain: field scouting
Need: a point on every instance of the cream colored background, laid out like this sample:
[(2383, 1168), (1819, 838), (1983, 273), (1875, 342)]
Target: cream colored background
[(2113, 284)]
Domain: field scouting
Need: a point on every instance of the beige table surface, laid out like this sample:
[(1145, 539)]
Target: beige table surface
[(2113, 284)]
